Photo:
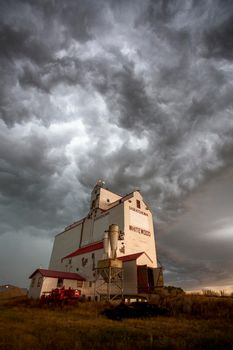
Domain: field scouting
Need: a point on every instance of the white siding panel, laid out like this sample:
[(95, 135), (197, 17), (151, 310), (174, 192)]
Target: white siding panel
[(100, 225), (139, 220), (64, 244), (49, 284), (87, 232), (35, 291)]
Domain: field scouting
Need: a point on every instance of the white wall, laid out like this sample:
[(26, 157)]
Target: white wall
[(100, 225), (84, 263), (64, 244), (103, 198), (144, 260), (35, 291), (88, 289), (106, 195), (87, 232), (49, 283), (139, 231)]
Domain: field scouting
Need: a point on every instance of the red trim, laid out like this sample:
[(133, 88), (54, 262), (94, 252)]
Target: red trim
[(130, 257), (86, 249), (58, 274)]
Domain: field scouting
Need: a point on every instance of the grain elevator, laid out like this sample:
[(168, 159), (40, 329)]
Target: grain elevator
[(111, 251)]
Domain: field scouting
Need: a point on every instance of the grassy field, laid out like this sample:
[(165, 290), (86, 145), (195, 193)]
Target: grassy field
[(194, 322)]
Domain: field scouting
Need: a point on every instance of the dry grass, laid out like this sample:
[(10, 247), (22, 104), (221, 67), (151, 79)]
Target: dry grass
[(202, 307), (11, 293), (194, 323)]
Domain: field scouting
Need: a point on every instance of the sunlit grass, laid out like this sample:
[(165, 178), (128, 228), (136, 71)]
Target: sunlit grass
[(195, 322)]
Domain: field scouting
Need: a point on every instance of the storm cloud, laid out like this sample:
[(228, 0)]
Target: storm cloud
[(138, 93)]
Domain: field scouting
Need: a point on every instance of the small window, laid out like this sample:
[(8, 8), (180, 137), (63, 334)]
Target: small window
[(90, 284), (79, 284), (84, 261), (108, 200), (39, 283), (60, 282), (33, 281), (138, 203), (70, 261)]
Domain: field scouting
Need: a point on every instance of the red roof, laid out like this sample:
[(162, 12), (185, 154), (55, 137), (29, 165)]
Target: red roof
[(130, 257), (86, 249), (58, 274)]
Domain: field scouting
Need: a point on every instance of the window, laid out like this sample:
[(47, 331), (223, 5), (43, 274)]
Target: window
[(90, 284), (84, 261), (108, 200), (60, 282), (39, 282), (122, 248), (79, 284), (33, 281), (138, 204)]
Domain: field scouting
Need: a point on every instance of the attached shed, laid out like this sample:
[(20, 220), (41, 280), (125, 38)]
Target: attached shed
[(138, 276), (43, 280)]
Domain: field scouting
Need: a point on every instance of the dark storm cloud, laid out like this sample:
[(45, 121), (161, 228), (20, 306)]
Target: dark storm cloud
[(30, 36), (22, 44), (137, 93), (196, 249), (63, 71), (219, 39), (27, 169)]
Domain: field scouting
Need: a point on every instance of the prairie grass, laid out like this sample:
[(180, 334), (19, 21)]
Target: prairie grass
[(199, 306), (195, 322)]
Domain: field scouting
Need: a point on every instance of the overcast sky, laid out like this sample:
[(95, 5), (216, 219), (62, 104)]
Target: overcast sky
[(137, 93)]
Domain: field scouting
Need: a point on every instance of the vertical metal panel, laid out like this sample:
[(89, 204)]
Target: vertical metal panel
[(142, 279)]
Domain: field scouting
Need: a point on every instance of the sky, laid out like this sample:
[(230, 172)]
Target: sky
[(136, 93)]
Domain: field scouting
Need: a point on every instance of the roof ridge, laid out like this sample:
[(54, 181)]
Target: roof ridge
[(57, 274)]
